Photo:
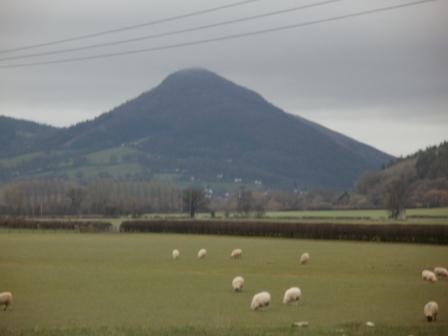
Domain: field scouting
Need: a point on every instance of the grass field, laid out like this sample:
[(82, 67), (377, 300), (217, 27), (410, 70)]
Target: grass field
[(373, 214), (414, 216), (127, 284), (429, 216)]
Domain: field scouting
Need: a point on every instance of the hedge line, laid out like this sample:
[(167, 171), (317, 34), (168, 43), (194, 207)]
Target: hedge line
[(81, 226), (412, 233)]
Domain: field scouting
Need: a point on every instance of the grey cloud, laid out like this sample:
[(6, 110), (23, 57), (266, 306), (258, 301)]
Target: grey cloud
[(389, 65)]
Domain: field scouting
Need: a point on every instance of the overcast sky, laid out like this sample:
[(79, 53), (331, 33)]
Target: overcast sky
[(381, 79)]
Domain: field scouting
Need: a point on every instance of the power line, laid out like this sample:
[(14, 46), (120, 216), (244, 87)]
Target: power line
[(171, 33), (126, 28), (222, 38)]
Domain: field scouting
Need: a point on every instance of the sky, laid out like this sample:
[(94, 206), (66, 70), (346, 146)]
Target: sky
[(380, 78)]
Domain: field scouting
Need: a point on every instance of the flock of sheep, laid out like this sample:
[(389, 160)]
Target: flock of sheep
[(292, 295), (262, 299), (431, 309)]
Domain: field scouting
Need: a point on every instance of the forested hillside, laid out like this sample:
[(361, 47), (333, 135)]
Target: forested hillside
[(422, 178)]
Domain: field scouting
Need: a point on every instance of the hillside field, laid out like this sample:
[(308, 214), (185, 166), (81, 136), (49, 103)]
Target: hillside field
[(127, 284)]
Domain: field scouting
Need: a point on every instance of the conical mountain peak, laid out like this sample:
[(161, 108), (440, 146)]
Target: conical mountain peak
[(197, 123), (194, 77)]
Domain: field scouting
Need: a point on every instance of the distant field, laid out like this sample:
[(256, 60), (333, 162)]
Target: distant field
[(373, 214), (429, 216), (127, 284), (414, 216)]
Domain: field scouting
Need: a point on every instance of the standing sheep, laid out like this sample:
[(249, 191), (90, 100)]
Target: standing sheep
[(6, 299), (236, 254), (238, 283), (292, 295), (260, 300), (304, 258), (430, 311), (429, 276), (175, 254), (441, 271), (202, 253)]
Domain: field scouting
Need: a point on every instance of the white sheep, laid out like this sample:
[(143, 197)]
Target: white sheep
[(202, 253), (292, 295), (430, 311), (441, 271), (175, 254), (238, 283), (236, 254), (6, 299), (260, 300), (304, 258), (429, 276)]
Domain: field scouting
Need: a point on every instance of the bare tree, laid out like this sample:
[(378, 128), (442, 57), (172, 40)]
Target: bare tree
[(193, 200), (76, 196), (245, 202), (396, 194)]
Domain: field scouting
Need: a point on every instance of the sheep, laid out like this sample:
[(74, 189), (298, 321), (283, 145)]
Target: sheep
[(292, 295), (429, 276), (202, 253), (6, 299), (175, 254), (260, 300), (430, 311), (304, 258), (236, 254), (441, 271), (238, 283)]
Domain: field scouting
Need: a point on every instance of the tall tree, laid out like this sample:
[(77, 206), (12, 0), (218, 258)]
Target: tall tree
[(396, 194), (193, 200)]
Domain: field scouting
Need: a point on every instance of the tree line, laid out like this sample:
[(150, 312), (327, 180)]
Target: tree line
[(105, 197), (420, 180)]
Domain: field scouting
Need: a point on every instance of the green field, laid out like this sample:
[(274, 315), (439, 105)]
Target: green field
[(372, 214), (379, 216), (127, 284)]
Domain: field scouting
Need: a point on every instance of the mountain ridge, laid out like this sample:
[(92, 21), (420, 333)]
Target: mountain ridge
[(204, 125)]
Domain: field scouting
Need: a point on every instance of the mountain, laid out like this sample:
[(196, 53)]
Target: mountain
[(199, 126), (19, 136)]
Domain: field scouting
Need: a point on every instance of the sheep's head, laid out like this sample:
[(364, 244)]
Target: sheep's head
[(429, 318)]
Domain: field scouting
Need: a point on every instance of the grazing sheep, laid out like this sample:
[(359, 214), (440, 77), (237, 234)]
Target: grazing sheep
[(236, 254), (176, 254), (238, 283), (292, 295), (6, 299), (202, 253), (441, 271), (429, 276), (260, 300), (304, 258), (430, 310)]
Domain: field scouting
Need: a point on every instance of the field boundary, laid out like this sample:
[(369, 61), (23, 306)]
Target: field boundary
[(406, 233), (80, 226)]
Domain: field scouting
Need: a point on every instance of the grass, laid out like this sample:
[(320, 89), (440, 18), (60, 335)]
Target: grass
[(17, 160), (415, 216), (103, 157), (372, 214), (115, 284)]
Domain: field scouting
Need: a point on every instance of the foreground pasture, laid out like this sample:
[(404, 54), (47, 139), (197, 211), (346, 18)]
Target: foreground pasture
[(115, 284)]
